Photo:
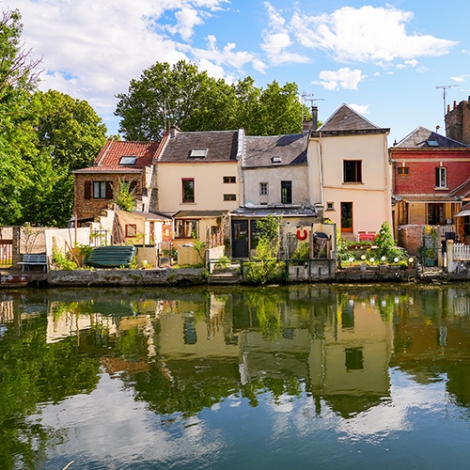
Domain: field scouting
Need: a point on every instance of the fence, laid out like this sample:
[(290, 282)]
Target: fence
[(461, 252), (6, 252)]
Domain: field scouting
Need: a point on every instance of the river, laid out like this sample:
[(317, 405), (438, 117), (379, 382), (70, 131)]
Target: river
[(302, 377)]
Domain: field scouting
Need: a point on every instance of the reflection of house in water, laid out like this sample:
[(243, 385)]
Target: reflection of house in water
[(432, 338), (349, 358)]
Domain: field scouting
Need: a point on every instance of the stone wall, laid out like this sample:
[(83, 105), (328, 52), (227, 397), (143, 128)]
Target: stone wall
[(410, 237)]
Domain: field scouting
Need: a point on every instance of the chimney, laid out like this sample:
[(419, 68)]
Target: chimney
[(173, 131), (314, 118)]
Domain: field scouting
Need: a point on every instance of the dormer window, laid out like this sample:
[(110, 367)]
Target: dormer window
[(276, 159), (198, 153), (433, 143), (128, 160)]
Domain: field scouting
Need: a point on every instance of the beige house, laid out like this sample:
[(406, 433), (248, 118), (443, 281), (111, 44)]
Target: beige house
[(350, 173), (197, 176)]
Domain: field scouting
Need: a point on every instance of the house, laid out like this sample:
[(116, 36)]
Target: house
[(275, 182), (117, 161), (457, 121), (198, 181), (349, 172), (429, 171)]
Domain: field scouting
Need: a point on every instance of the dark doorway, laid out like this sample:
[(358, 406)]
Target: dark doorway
[(239, 238)]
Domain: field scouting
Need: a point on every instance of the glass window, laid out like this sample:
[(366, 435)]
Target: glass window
[(352, 171), (99, 189), (286, 192), (131, 230), (188, 228), (441, 177), (403, 171), (263, 189), (230, 179), (230, 197), (188, 190), (127, 160)]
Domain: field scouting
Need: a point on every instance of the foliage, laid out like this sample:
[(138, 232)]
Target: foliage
[(194, 101), (124, 196), (302, 252), (223, 262), (200, 247), (342, 247), (386, 245), (63, 260)]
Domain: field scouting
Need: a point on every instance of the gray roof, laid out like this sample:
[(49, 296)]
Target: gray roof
[(347, 121), (276, 150), (219, 146), (421, 136)]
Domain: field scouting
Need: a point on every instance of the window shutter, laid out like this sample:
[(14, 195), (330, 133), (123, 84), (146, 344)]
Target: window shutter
[(109, 190), (87, 189)]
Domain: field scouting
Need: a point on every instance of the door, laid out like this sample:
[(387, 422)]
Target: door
[(346, 217), (239, 238)]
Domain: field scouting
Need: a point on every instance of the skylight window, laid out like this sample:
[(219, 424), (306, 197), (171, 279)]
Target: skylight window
[(128, 160), (433, 143), (276, 159), (198, 153)]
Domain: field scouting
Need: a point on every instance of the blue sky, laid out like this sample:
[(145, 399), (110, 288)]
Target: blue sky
[(383, 59)]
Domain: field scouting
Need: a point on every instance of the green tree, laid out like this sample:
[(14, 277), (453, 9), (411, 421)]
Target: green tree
[(184, 96)]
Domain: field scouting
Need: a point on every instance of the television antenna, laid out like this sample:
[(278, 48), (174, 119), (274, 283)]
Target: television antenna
[(444, 90)]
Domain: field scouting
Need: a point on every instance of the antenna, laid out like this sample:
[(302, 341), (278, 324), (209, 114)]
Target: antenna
[(444, 88)]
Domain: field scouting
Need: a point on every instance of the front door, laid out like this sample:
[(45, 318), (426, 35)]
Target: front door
[(346, 217), (239, 238)]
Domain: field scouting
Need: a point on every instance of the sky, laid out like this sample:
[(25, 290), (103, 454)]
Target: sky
[(392, 62)]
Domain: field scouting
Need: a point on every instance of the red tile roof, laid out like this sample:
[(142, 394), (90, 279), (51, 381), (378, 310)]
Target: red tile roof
[(110, 155)]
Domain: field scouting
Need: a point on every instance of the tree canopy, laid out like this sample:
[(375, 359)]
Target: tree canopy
[(189, 98), (43, 137)]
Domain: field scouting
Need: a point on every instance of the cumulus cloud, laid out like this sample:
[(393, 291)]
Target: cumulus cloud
[(460, 78), (344, 78), (277, 39), (366, 34), (361, 108), (408, 63)]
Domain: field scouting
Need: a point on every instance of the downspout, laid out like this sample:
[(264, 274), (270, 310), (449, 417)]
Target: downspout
[(320, 162)]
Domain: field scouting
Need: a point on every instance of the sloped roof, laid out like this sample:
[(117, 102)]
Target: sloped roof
[(110, 156), (421, 137), (280, 150), (461, 191), (346, 120), (218, 145)]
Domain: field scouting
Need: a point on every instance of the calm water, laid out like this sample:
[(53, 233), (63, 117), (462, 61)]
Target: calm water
[(304, 377)]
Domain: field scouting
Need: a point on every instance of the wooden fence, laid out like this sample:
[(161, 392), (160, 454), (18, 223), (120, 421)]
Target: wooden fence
[(6, 252)]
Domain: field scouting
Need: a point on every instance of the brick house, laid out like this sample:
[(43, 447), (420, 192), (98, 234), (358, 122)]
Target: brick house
[(427, 167), (117, 161), (457, 121)]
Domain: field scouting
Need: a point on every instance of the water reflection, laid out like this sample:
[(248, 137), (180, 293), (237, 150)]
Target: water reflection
[(359, 364)]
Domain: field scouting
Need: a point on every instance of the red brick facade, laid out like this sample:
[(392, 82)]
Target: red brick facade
[(458, 122)]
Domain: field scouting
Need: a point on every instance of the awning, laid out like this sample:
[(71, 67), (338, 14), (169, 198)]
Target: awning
[(464, 213)]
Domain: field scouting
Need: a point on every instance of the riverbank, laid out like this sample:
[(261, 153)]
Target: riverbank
[(199, 276)]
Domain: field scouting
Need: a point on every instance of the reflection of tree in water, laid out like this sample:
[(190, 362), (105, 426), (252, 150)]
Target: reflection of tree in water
[(33, 372)]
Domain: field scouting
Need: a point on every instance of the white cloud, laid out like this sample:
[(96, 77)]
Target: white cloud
[(344, 78), (277, 40), (360, 108), (187, 19), (366, 34), (460, 79), (408, 63)]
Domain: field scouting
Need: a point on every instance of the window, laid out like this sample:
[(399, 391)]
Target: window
[(131, 230), (354, 358), (263, 189), (98, 190), (435, 214), (230, 197), (188, 190), (352, 171), (330, 206), (441, 179), (403, 171), (188, 228), (198, 153), (286, 192), (230, 179), (127, 160)]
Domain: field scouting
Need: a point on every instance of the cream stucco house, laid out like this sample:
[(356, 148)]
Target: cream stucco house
[(350, 173), (197, 176)]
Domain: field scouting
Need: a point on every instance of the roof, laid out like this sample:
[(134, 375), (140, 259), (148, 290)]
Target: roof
[(309, 211), (461, 191), (109, 158), (347, 121), (278, 150), (152, 215), (422, 138), (199, 214), (210, 146)]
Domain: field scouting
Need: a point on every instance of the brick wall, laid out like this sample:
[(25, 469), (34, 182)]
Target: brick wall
[(458, 122), (410, 237), (85, 208)]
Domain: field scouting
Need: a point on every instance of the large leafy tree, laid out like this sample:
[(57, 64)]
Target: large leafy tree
[(189, 98), (43, 137)]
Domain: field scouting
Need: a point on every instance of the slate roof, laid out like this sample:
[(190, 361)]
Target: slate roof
[(346, 120), (261, 151), (461, 191), (110, 155), (219, 145), (420, 137)]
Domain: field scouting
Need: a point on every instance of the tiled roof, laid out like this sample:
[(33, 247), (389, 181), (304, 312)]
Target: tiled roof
[(422, 138), (219, 146), (278, 150), (110, 155), (346, 119), (462, 191)]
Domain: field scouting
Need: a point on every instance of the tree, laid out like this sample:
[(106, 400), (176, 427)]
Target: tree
[(190, 99)]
